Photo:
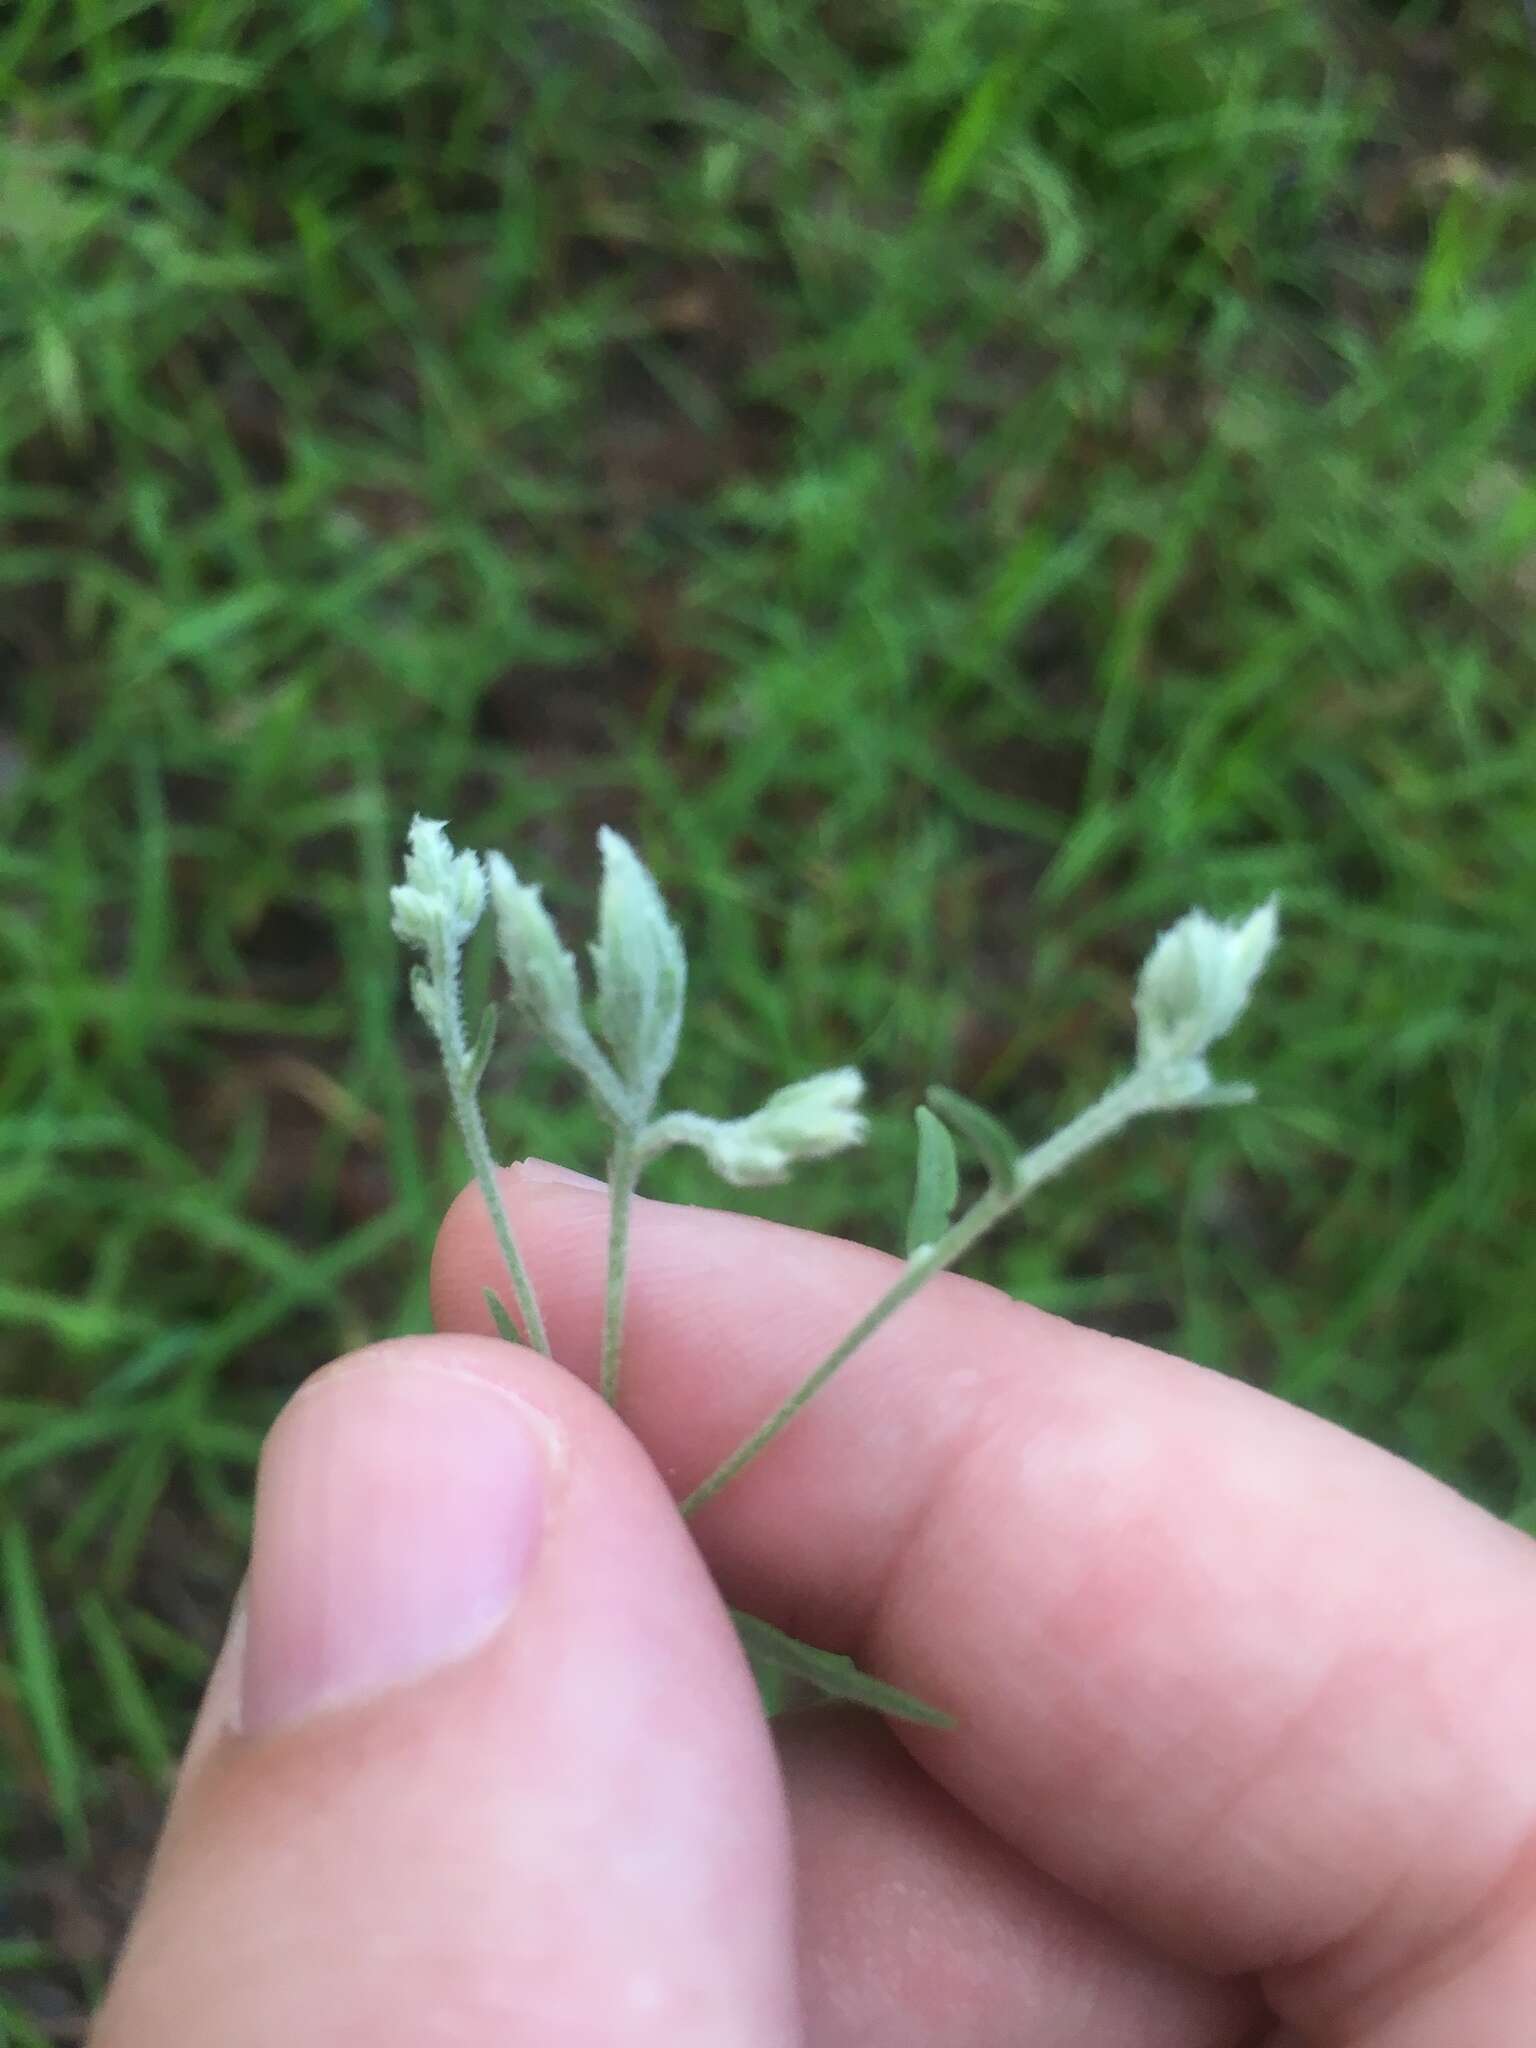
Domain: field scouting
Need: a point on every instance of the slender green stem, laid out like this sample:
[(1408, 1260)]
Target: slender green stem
[(477, 1145), (623, 1171), (1137, 1093), (1132, 1097), (955, 1242), (466, 1110)]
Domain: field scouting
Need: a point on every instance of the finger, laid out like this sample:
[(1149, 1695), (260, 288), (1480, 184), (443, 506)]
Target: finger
[(490, 1768), (918, 1928), (1243, 1681)]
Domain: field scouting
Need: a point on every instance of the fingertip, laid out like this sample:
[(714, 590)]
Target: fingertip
[(476, 1627), (400, 1508)]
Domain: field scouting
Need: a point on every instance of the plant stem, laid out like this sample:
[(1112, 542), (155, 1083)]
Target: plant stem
[(955, 1242), (623, 1172), (1113, 1110), (477, 1145), (1139, 1092), (466, 1111)]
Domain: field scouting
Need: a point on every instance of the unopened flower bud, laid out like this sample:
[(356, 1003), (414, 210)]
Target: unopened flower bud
[(641, 971), (443, 894), (807, 1120), (1197, 980)]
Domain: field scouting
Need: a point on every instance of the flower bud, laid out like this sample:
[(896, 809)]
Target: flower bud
[(807, 1120), (443, 894), (543, 974), (545, 983), (641, 971), (1197, 980)]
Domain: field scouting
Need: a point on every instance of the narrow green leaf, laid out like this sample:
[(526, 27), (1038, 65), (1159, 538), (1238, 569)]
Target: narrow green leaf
[(1224, 1095), (970, 134), (505, 1327), (936, 1185), (135, 1510), (480, 1051), (994, 1144), (21, 1952), (138, 1721), (167, 1646), (39, 1683), (16, 2030), (775, 1689), (779, 1660)]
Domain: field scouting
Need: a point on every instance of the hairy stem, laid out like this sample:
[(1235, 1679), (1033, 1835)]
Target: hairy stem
[(623, 1172), (955, 1242), (1138, 1093), (1114, 1109), (466, 1110)]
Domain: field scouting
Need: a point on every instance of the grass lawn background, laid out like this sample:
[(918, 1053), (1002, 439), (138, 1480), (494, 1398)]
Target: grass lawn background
[(957, 483)]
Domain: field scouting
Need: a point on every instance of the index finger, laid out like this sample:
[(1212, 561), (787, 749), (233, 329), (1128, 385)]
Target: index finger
[(1257, 1688)]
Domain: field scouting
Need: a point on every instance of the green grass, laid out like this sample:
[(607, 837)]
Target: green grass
[(958, 483)]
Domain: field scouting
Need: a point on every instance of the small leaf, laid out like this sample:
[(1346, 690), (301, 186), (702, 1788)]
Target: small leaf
[(994, 1144), (505, 1327), (480, 1051), (778, 1661), (936, 1186), (1224, 1095), (775, 1687), (424, 996)]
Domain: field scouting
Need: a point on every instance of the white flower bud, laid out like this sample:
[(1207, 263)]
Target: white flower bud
[(443, 894), (416, 918), (807, 1120), (1197, 980), (546, 984), (641, 971), (543, 974)]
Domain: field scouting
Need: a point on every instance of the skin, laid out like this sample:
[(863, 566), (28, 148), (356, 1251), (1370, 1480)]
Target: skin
[(1243, 1750)]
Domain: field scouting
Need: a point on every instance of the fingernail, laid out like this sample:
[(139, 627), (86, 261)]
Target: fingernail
[(547, 1173), (398, 1513)]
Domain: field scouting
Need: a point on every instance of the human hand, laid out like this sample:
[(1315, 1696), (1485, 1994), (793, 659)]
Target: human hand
[(1244, 1708)]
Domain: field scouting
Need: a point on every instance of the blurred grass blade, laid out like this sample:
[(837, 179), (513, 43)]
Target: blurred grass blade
[(133, 1705), (969, 136), (39, 1683)]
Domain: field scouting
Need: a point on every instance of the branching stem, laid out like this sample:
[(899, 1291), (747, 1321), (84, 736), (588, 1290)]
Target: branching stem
[(1142, 1090)]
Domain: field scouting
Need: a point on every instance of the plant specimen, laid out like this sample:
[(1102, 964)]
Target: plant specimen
[(1193, 987)]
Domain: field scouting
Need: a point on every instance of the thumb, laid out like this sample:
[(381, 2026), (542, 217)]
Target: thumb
[(481, 1764)]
